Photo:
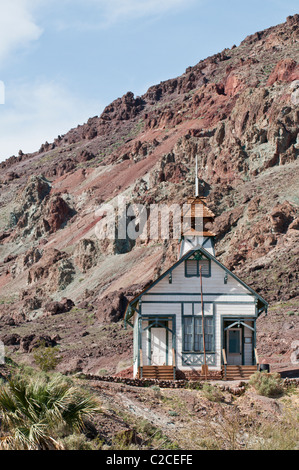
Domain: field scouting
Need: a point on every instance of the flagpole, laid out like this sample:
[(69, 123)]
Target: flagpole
[(203, 326)]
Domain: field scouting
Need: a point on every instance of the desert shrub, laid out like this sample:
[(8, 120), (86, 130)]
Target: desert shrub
[(267, 384), (283, 436), (145, 427), (76, 442), (125, 440), (211, 393), (47, 358), (194, 385), (157, 391)]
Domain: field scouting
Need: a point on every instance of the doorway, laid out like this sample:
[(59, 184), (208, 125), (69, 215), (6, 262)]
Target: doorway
[(158, 346), (234, 346)]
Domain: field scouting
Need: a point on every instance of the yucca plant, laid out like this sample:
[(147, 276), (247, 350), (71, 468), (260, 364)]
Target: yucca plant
[(34, 410)]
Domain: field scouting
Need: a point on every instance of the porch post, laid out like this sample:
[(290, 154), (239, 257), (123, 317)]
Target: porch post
[(174, 347), (254, 343), (140, 365)]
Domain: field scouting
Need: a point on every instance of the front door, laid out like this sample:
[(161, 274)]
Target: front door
[(234, 346), (158, 346)]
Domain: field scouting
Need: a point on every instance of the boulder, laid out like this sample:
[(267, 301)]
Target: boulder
[(56, 308), (31, 342), (282, 216), (11, 339), (86, 254)]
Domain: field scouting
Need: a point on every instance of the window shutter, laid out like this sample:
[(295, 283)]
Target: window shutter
[(204, 263), (191, 267)]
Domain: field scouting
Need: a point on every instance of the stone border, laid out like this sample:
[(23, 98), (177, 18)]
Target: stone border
[(189, 384), (143, 382)]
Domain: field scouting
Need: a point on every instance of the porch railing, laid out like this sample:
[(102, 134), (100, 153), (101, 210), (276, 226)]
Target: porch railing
[(224, 361)]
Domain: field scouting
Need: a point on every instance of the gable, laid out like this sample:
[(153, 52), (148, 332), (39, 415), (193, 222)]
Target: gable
[(220, 280)]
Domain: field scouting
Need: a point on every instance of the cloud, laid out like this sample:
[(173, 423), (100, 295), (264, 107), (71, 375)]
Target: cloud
[(118, 10), (38, 112), (17, 25), (106, 13)]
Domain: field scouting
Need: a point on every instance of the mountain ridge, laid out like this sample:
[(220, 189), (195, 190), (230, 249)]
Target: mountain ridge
[(238, 111)]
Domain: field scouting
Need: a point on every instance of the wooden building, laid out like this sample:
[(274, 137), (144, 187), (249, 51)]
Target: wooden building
[(198, 319)]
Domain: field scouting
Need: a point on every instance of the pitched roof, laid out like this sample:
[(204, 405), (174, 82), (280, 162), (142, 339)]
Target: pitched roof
[(197, 207), (183, 258)]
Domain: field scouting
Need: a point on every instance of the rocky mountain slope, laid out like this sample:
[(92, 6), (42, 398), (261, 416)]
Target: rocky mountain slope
[(238, 111)]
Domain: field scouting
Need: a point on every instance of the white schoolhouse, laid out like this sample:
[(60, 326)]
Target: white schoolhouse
[(198, 319)]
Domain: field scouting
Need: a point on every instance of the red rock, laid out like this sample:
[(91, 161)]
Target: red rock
[(282, 216), (57, 213), (286, 70), (233, 85)]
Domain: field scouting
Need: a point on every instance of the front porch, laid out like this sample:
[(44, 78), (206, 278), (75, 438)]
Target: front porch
[(239, 355), (162, 354), (239, 342)]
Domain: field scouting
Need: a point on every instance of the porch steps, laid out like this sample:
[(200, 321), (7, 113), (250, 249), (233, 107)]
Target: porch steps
[(238, 372), (157, 372)]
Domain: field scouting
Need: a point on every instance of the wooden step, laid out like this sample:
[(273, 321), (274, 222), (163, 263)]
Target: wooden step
[(157, 372), (238, 372)]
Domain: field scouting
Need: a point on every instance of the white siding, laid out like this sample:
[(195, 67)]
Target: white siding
[(236, 309), (197, 298), (215, 283), (161, 308), (222, 300)]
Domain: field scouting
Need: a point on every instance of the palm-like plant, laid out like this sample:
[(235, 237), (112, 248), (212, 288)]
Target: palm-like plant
[(33, 411)]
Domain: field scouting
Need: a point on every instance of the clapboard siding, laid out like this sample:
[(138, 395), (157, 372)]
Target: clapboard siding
[(236, 309), (196, 297), (182, 284), (161, 309), (170, 307)]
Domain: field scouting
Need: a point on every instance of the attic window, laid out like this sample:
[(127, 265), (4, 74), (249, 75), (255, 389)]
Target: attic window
[(192, 267)]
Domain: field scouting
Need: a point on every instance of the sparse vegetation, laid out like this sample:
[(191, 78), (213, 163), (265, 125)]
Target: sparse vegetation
[(267, 384), (47, 358), (77, 442), (211, 392), (38, 412)]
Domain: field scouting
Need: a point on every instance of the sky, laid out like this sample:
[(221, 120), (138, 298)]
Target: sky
[(63, 61)]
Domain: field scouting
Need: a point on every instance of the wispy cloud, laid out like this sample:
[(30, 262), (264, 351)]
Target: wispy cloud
[(17, 26), (117, 10), (107, 13), (39, 111)]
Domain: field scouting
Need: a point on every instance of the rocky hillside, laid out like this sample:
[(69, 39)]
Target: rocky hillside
[(238, 111)]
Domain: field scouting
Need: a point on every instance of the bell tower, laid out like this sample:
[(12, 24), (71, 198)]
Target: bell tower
[(197, 218)]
